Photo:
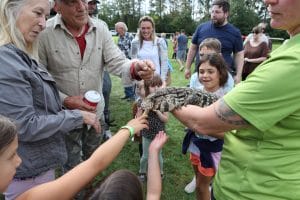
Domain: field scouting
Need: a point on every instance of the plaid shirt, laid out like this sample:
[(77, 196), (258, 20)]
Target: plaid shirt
[(124, 43)]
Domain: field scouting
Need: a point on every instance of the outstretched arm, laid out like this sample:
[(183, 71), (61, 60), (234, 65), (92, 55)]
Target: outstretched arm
[(210, 120), (69, 184), (154, 185)]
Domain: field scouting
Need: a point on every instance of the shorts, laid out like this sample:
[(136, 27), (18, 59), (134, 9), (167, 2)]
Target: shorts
[(181, 54), (195, 160)]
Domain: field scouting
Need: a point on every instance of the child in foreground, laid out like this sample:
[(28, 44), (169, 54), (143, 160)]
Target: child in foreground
[(157, 122), (83, 173)]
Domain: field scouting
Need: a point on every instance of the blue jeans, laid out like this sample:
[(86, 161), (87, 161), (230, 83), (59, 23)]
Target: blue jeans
[(144, 158), (129, 92)]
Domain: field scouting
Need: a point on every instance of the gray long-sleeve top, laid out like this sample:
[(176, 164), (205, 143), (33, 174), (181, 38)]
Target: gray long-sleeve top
[(30, 97)]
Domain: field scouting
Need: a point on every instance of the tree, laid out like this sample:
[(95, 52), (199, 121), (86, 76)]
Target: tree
[(243, 16)]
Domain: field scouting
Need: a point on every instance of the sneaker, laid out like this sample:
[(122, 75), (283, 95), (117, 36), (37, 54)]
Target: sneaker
[(181, 68), (124, 98), (142, 177), (108, 134), (191, 187), (130, 99)]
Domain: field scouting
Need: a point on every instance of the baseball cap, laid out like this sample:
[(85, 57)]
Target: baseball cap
[(94, 1)]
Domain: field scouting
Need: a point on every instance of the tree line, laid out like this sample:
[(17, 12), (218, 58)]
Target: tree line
[(173, 15)]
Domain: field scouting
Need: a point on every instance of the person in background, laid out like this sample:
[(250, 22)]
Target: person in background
[(124, 43), (157, 121), (82, 174), (149, 46), (229, 36), (125, 38), (256, 51), (92, 8), (208, 46), (170, 67), (106, 85), (174, 43), (182, 46), (260, 158), (83, 47), (264, 37), (29, 96)]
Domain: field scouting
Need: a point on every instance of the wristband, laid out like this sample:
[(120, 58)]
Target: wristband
[(130, 129)]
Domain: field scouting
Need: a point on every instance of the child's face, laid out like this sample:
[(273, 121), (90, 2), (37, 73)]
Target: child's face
[(153, 89), (209, 76), (9, 161), (140, 89)]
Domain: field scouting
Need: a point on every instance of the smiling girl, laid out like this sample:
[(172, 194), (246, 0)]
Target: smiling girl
[(212, 73), (205, 151)]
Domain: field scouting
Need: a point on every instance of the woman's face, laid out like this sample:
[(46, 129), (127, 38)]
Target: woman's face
[(9, 161), (32, 19), (209, 76), (146, 29), (256, 36), (285, 15)]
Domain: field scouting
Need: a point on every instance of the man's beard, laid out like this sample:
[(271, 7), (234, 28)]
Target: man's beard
[(218, 22)]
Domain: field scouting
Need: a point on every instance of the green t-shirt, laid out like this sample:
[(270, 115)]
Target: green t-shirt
[(263, 162)]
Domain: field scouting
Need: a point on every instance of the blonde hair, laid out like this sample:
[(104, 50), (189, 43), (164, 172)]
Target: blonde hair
[(9, 32), (211, 43), (153, 35)]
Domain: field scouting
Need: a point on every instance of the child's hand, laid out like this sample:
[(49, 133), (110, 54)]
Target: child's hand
[(158, 142), (139, 112), (138, 124)]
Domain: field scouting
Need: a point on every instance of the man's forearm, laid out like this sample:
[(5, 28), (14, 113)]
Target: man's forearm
[(239, 63), (191, 56)]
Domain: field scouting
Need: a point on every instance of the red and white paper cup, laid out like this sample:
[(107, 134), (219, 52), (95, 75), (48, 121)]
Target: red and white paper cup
[(92, 98)]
